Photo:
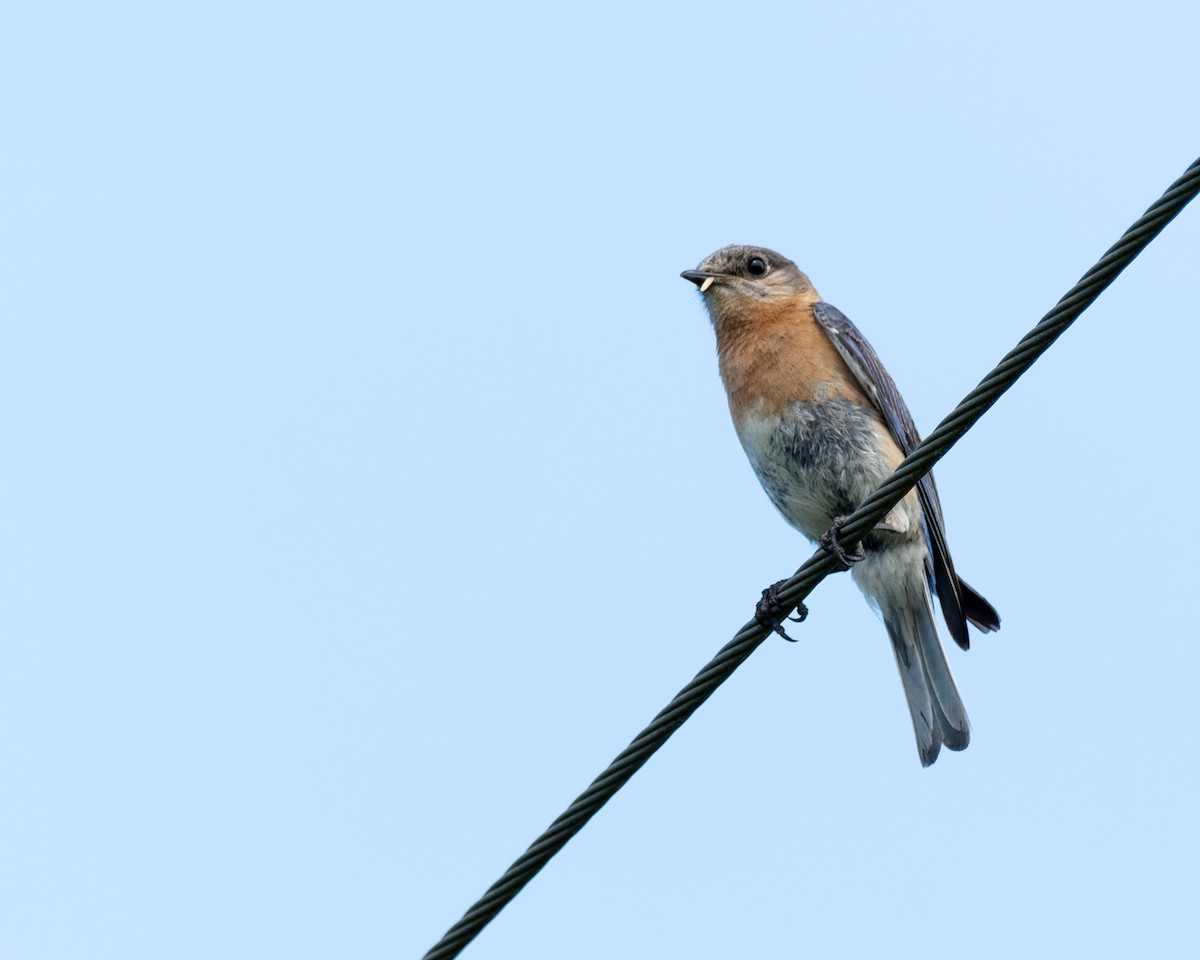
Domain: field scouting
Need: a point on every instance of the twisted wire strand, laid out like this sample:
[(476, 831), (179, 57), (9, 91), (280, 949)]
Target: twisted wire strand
[(821, 564)]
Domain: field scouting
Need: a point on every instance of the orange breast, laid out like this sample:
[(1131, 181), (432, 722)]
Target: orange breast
[(777, 354)]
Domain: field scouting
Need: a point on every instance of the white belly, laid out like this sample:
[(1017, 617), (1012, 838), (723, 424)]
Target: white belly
[(820, 460)]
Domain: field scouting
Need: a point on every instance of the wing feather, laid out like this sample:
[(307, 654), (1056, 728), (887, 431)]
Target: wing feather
[(958, 601)]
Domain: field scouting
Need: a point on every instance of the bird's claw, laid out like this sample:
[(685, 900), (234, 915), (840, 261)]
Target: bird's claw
[(769, 608), (832, 543)]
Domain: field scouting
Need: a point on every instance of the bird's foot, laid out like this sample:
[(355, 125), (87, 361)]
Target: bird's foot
[(769, 608), (832, 543)]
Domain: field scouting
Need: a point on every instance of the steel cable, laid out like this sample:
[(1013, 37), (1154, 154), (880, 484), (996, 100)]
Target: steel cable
[(821, 564)]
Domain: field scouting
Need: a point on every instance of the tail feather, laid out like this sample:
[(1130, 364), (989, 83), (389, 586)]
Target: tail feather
[(938, 714), (925, 715)]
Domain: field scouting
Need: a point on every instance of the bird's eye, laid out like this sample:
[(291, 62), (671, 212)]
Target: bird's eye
[(756, 266)]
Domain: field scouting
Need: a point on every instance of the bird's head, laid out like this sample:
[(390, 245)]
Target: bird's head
[(737, 279)]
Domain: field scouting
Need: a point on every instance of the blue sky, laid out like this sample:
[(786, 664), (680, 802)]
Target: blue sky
[(370, 483)]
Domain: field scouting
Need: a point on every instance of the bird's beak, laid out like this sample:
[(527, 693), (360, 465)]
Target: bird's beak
[(700, 278)]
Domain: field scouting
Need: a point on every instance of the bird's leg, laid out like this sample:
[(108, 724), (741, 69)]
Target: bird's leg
[(769, 608), (832, 543)]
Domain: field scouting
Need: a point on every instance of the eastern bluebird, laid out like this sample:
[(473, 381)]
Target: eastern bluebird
[(824, 425)]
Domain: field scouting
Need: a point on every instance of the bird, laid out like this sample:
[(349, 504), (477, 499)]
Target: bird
[(823, 425)]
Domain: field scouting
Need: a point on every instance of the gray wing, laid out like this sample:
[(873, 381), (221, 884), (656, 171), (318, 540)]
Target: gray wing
[(958, 601)]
